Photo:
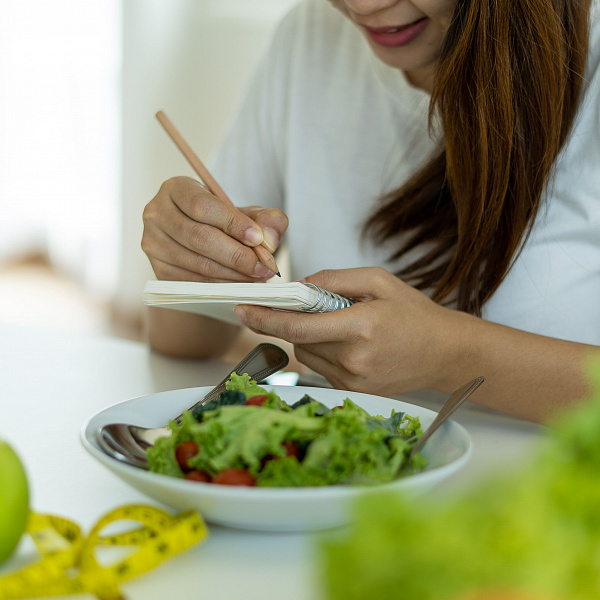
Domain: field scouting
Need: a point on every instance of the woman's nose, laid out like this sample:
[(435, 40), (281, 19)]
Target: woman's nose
[(367, 7)]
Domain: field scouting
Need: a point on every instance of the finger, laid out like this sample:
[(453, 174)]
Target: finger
[(319, 364), (159, 246), (169, 272), (209, 242), (364, 283), (324, 350), (295, 327), (335, 373), (272, 221), (201, 206)]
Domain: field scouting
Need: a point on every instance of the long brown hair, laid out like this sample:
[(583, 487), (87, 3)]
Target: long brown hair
[(506, 92)]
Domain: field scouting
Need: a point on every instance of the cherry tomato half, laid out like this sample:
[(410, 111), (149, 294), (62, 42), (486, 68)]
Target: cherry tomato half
[(256, 400), (198, 476), (184, 452), (234, 477)]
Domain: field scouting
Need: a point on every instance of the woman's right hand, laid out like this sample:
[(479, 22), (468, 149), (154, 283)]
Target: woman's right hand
[(191, 235)]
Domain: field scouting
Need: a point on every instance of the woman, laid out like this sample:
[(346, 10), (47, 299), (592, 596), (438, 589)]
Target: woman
[(438, 161)]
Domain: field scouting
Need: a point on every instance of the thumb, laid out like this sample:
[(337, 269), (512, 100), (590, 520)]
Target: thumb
[(363, 283), (272, 221)]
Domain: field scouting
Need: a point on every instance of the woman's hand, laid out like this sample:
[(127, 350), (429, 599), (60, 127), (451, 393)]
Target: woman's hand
[(390, 341), (191, 235), (395, 340)]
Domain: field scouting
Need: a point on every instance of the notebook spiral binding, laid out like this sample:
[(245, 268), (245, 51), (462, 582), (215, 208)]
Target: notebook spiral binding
[(327, 301)]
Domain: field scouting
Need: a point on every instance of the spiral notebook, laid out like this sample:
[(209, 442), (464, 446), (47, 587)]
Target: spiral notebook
[(218, 300)]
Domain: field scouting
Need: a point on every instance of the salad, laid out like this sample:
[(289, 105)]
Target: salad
[(250, 436), (530, 533)]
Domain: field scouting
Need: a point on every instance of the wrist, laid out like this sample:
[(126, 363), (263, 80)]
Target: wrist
[(457, 357)]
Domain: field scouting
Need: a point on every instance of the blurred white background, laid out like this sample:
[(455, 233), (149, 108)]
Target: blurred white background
[(81, 152)]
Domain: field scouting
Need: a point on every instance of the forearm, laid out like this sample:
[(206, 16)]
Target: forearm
[(527, 375), (188, 335)]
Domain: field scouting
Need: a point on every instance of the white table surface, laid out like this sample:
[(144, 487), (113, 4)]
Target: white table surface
[(51, 383)]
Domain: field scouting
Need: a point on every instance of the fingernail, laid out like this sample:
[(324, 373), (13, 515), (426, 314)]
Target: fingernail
[(261, 271), (240, 313), (253, 236), (270, 239)]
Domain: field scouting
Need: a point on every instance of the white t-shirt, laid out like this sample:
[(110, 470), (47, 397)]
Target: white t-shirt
[(326, 129)]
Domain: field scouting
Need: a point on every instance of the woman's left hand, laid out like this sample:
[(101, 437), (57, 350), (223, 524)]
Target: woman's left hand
[(394, 339)]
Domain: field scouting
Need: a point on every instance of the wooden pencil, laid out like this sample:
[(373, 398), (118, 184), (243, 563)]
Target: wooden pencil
[(262, 252)]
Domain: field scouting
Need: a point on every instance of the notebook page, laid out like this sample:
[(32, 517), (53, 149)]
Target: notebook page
[(218, 300)]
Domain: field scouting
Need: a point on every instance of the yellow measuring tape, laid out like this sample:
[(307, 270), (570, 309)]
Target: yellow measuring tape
[(69, 562)]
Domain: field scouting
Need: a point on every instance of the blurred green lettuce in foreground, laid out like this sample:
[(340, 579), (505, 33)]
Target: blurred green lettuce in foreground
[(535, 532)]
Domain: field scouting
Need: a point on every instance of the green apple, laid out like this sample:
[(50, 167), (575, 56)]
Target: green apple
[(14, 500)]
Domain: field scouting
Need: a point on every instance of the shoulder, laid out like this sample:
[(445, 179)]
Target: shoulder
[(593, 61), (592, 70), (581, 152)]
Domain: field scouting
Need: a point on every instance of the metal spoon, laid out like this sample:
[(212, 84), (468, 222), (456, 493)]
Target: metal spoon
[(128, 443), (457, 398)]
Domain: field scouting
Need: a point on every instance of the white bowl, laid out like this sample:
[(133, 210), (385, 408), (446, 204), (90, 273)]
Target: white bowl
[(273, 509)]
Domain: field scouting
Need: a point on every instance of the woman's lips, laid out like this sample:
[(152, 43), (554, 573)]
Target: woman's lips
[(393, 37)]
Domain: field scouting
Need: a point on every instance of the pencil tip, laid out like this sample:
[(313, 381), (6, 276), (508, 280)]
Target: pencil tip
[(278, 274)]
